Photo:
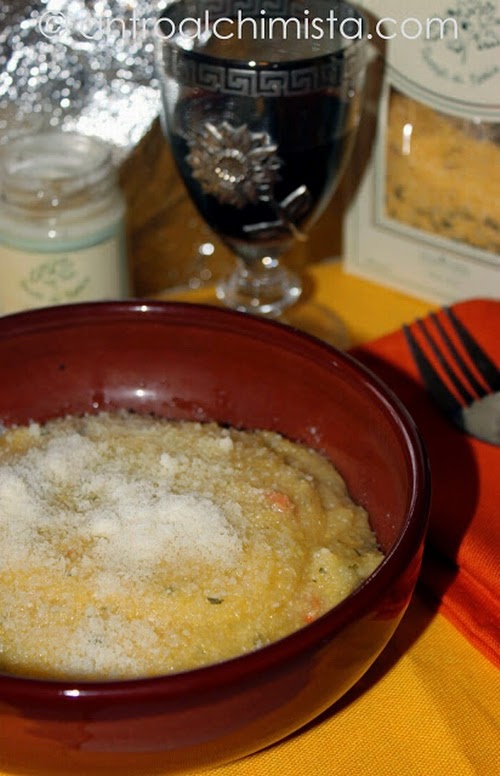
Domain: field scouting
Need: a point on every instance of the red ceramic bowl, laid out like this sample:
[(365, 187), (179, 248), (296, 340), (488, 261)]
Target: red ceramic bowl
[(194, 362)]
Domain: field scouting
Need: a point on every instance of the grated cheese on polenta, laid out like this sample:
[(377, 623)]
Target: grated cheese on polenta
[(132, 546)]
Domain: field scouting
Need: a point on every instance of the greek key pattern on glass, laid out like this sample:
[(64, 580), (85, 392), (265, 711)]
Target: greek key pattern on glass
[(246, 82)]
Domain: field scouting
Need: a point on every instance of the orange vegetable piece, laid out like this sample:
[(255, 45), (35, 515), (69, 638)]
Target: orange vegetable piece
[(313, 610), (280, 502)]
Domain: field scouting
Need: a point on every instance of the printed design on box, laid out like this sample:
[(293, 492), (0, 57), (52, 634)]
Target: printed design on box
[(444, 53), (471, 29), (477, 23)]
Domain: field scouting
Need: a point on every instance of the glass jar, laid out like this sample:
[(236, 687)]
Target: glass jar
[(61, 222)]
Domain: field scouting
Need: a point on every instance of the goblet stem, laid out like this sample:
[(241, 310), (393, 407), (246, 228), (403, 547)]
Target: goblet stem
[(262, 287)]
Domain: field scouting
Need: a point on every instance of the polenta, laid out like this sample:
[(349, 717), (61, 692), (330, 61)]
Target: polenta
[(132, 546)]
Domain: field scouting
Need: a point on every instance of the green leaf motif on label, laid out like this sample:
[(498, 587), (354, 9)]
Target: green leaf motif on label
[(55, 281)]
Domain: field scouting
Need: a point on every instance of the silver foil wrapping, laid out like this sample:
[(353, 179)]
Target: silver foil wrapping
[(81, 66)]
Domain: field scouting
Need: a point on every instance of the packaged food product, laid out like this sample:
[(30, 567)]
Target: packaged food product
[(426, 216)]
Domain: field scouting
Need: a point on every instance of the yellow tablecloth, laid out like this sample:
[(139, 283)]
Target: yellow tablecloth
[(430, 704), (366, 309)]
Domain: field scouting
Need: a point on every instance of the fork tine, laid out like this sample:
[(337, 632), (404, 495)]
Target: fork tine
[(483, 362), (433, 382), (449, 372), (460, 363)]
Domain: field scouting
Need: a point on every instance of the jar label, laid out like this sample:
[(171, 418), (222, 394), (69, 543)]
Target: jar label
[(29, 280), (444, 53)]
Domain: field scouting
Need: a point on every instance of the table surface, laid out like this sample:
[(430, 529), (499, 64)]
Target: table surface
[(367, 310), (429, 705)]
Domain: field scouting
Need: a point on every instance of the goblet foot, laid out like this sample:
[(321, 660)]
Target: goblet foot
[(319, 321), (268, 292)]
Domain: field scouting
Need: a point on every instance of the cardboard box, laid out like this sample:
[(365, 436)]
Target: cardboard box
[(425, 218)]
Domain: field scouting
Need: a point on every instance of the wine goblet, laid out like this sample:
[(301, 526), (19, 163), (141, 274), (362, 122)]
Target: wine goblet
[(261, 101)]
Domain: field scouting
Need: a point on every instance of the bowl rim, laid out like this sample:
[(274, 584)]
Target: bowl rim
[(294, 645)]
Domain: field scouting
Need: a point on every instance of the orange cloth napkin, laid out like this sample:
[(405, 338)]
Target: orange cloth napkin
[(460, 570)]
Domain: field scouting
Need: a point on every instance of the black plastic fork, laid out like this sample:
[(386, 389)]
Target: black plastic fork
[(478, 410)]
